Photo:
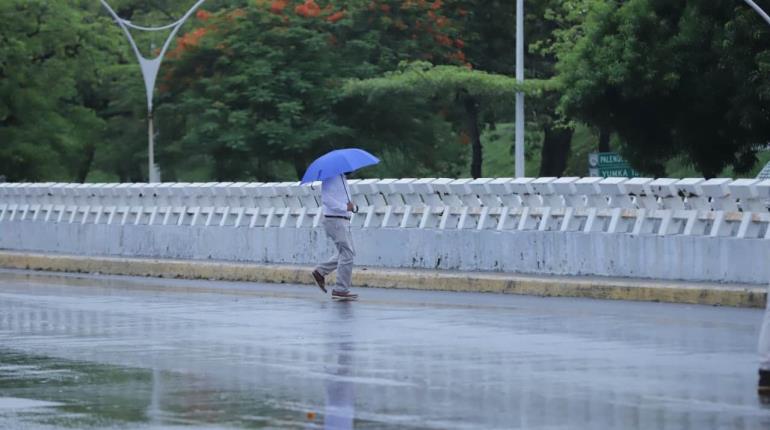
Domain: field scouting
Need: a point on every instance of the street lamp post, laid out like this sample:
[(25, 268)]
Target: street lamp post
[(758, 10), (150, 67), (519, 145)]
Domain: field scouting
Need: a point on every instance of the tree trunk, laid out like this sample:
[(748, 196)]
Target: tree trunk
[(604, 139), (85, 165), (300, 165), (472, 115), (556, 149)]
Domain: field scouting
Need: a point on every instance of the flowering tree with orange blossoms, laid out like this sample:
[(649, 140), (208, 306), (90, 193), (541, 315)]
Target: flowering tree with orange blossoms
[(257, 89)]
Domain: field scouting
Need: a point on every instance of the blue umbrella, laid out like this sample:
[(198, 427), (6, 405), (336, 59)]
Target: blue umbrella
[(338, 162)]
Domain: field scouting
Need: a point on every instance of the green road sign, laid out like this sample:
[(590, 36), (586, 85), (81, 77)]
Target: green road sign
[(609, 164)]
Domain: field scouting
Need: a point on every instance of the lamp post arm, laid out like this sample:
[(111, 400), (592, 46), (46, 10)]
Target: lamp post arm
[(123, 27), (177, 27), (759, 10)]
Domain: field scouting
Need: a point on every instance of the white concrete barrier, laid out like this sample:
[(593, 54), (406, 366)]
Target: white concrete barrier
[(693, 206), (411, 219)]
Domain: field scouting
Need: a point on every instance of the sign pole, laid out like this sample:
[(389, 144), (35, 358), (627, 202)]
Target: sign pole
[(519, 142)]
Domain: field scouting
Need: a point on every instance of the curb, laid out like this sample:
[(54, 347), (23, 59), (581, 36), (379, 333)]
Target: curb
[(740, 295)]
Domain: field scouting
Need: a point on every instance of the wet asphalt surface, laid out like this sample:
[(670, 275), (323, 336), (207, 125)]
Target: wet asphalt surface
[(100, 352)]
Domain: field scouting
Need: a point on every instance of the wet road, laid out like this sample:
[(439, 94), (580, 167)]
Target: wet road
[(110, 352)]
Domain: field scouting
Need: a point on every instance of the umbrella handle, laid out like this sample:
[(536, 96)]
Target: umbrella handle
[(345, 186)]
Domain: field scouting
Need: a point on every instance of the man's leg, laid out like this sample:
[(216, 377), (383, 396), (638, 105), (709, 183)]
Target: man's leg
[(322, 270), (344, 242), (764, 353), (345, 268), (329, 265)]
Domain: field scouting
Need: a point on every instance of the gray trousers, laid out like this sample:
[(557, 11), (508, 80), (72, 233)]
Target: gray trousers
[(764, 338), (338, 230)]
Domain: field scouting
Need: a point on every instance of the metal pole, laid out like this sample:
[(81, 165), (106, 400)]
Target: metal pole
[(758, 10), (152, 168), (153, 171), (519, 148), (150, 67)]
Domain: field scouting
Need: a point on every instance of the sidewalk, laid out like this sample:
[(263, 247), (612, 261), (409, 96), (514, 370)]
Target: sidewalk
[(738, 295)]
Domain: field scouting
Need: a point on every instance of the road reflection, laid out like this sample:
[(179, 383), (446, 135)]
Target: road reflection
[(340, 393)]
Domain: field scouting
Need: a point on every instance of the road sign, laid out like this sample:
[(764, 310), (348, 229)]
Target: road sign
[(609, 164)]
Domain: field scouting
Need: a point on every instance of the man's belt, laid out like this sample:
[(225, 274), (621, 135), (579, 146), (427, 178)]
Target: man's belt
[(337, 216)]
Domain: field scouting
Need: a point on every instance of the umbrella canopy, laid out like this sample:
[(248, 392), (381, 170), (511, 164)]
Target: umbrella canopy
[(338, 162)]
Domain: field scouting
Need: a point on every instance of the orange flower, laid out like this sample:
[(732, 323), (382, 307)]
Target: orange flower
[(277, 6), (459, 43), (385, 8), (308, 9), (336, 16), (443, 39), (436, 5), (203, 15)]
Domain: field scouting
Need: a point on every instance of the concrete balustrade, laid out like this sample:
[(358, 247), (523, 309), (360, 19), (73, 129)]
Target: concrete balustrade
[(691, 229), (639, 206)]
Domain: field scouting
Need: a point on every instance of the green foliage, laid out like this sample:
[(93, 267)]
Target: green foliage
[(475, 93), (674, 79), (51, 72), (424, 80), (256, 89)]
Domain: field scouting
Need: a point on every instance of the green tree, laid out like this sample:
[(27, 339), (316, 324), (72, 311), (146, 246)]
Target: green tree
[(51, 74), (256, 89), (473, 92), (490, 34), (673, 79)]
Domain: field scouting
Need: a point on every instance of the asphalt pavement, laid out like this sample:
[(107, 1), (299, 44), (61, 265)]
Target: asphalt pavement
[(102, 352)]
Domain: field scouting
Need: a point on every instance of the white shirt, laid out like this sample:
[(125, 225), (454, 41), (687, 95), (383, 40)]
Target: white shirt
[(335, 196)]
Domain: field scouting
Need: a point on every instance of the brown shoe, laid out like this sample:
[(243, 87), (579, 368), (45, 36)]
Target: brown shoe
[(319, 280), (763, 387), (343, 295)]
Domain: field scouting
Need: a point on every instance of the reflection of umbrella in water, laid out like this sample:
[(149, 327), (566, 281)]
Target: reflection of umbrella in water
[(338, 162)]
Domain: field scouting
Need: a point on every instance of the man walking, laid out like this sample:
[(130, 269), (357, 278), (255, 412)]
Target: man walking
[(337, 207)]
